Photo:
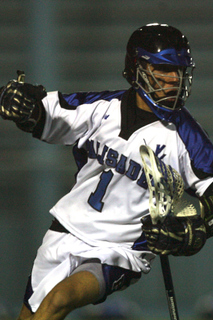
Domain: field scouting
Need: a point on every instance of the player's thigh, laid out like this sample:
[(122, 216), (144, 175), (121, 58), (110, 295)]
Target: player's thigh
[(75, 291), (79, 289), (25, 313)]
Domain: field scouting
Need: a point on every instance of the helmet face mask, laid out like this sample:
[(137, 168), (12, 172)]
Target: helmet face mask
[(167, 85), (159, 66)]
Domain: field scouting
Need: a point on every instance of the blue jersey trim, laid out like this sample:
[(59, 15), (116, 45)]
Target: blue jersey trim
[(197, 143), (76, 99)]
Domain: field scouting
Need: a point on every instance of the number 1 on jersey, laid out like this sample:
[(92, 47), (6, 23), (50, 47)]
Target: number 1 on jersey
[(95, 199)]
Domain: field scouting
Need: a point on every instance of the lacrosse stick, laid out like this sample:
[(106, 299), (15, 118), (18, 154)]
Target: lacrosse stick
[(170, 292), (166, 188)]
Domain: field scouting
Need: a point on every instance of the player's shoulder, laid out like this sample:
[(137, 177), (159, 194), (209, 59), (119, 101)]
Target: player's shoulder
[(79, 98), (196, 141), (187, 125)]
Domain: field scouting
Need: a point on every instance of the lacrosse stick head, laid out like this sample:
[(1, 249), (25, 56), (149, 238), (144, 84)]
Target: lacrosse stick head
[(166, 188)]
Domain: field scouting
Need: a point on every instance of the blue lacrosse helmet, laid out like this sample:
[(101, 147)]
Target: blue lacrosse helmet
[(164, 48)]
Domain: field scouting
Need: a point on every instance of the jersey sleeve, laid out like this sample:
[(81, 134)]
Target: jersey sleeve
[(68, 120), (197, 143), (196, 158), (194, 184)]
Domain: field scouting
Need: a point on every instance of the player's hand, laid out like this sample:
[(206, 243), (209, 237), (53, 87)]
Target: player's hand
[(175, 235), (18, 99)]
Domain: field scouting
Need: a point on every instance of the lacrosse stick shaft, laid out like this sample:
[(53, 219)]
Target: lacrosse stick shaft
[(170, 293)]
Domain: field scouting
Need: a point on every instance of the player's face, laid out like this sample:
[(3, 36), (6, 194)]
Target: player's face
[(165, 80), (163, 83)]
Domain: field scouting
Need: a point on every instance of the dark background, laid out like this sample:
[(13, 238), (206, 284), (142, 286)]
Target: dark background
[(80, 46)]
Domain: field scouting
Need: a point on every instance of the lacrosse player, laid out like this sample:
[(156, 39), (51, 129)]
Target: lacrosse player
[(102, 238)]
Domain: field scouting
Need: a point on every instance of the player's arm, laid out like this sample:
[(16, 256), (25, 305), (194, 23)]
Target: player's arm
[(22, 103), (54, 117)]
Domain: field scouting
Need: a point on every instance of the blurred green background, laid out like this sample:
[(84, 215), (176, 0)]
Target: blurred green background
[(80, 46)]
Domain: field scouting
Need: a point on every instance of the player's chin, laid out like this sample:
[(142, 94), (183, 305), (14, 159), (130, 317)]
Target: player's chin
[(169, 101)]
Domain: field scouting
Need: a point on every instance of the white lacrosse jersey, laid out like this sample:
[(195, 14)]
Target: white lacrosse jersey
[(105, 206)]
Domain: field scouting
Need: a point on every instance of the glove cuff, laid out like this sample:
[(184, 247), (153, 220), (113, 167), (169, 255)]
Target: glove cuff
[(195, 236), (34, 119)]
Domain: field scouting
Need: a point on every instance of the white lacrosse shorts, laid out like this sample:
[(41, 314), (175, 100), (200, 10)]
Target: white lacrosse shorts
[(62, 254)]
